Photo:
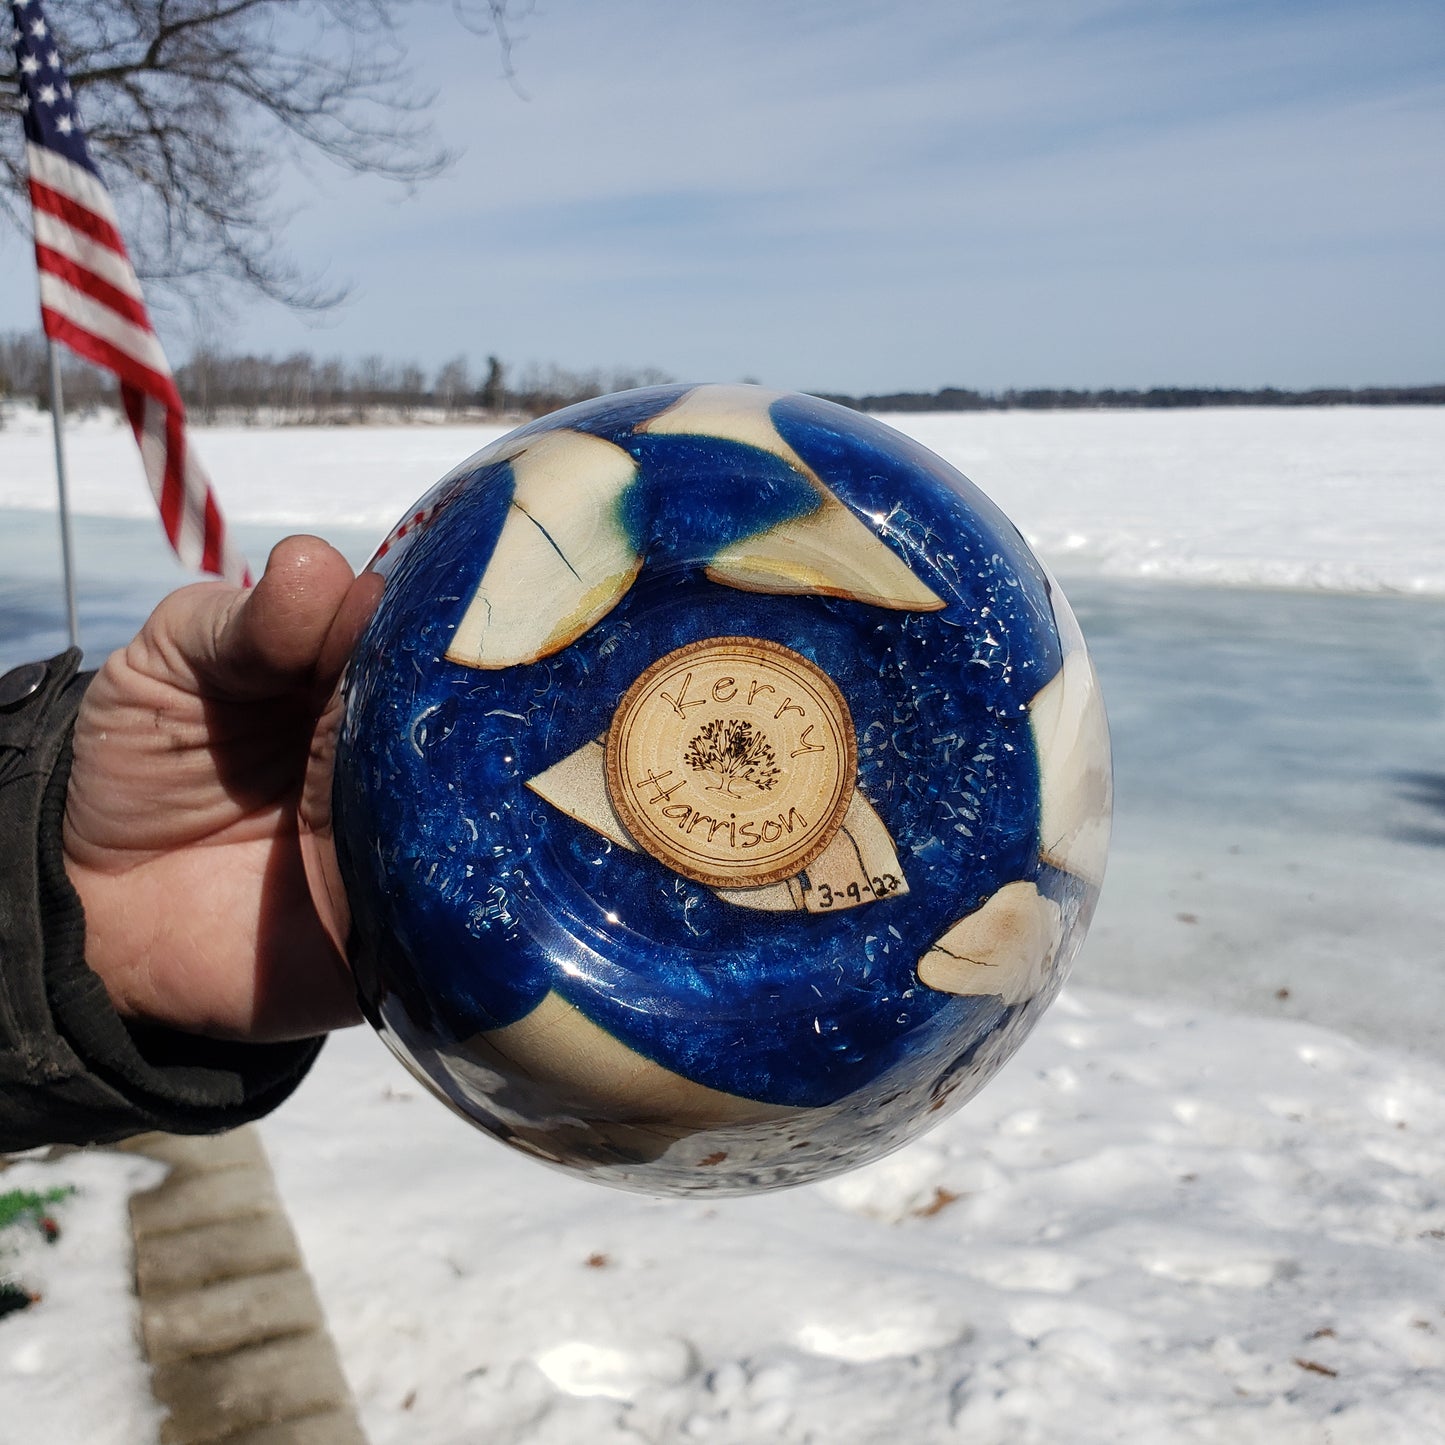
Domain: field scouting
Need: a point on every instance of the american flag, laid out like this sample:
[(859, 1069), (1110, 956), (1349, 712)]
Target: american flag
[(90, 299)]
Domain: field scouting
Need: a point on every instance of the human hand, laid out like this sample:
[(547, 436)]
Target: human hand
[(183, 826)]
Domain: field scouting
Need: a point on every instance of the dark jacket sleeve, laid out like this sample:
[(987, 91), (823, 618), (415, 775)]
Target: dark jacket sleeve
[(70, 1070)]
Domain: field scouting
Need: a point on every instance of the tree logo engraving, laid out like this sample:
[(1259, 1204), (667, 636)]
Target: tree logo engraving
[(733, 751)]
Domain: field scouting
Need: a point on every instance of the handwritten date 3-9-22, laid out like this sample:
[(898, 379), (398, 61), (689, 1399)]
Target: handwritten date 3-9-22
[(822, 896)]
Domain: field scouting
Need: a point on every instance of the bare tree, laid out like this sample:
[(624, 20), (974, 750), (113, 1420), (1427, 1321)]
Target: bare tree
[(410, 389), (374, 382), (22, 365), (24, 376), (194, 106), (452, 385)]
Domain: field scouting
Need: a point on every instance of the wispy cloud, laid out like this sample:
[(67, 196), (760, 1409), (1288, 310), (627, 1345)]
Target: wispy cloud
[(842, 194)]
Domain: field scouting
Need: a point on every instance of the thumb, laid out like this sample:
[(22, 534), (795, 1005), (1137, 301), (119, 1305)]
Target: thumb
[(251, 644)]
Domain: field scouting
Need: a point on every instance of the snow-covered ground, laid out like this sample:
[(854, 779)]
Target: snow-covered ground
[(1185, 1212), (1346, 498), (1158, 1224), (70, 1367), (1343, 498)]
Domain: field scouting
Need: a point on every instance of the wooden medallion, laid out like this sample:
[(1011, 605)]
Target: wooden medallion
[(732, 761)]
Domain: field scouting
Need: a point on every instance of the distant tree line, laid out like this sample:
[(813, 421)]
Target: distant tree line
[(25, 375), (956, 398), (302, 389)]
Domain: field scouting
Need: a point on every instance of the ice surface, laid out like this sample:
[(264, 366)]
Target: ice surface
[(1279, 803)]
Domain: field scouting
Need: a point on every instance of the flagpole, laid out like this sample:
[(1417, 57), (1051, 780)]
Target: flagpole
[(57, 417), (90, 302)]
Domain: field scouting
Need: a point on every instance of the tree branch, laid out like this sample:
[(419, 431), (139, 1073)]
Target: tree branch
[(178, 97)]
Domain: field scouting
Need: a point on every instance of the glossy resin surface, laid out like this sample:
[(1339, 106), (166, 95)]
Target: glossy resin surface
[(538, 900)]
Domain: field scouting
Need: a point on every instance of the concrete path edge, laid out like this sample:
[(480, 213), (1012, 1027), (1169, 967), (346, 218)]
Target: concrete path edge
[(230, 1323)]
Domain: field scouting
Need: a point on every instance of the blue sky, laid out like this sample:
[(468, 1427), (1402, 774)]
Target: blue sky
[(849, 196)]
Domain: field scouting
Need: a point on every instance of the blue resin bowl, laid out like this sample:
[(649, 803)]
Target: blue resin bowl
[(578, 990)]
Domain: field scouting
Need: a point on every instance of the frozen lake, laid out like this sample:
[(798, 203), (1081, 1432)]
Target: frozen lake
[(1166, 1221), (1279, 749)]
